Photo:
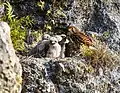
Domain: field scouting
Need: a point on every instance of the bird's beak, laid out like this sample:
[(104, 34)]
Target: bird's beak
[(52, 42), (69, 31)]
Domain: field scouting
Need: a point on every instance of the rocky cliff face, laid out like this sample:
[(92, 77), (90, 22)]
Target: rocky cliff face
[(91, 16), (69, 75), (10, 68)]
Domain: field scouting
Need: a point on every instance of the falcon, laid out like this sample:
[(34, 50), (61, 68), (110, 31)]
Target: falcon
[(81, 36)]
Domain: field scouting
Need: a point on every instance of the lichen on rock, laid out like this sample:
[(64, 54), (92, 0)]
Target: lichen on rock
[(68, 75)]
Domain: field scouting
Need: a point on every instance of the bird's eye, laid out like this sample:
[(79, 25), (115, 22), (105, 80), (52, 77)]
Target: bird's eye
[(50, 41), (55, 41), (73, 30)]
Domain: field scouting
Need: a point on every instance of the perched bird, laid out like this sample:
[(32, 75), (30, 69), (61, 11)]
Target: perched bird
[(59, 38), (46, 37), (54, 48), (63, 42), (40, 50), (81, 36)]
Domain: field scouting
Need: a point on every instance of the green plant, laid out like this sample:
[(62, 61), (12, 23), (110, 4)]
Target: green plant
[(41, 4), (18, 27), (86, 51), (36, 35), (52, 14)]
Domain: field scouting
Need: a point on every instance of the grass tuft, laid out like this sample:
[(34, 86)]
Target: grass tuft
[(99, 56)]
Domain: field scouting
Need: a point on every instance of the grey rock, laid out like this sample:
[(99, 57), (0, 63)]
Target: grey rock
[(99, 16), (68, 75), (10, 68), (2, 10)]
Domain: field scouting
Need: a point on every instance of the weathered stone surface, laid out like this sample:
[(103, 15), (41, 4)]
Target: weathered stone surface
[(91, 16), (10, 68), (2, 10), (69, 75)]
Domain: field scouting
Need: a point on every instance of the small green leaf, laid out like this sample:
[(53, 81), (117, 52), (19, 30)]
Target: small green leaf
[(59, 12), (41, 4), (48, 27), (48, 12)]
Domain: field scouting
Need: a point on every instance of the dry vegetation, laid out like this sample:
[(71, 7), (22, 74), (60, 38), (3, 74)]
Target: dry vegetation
[(99, 55)]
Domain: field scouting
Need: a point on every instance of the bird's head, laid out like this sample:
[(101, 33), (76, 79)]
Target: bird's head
[(73, 30), (46, 37), (53, 40)]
